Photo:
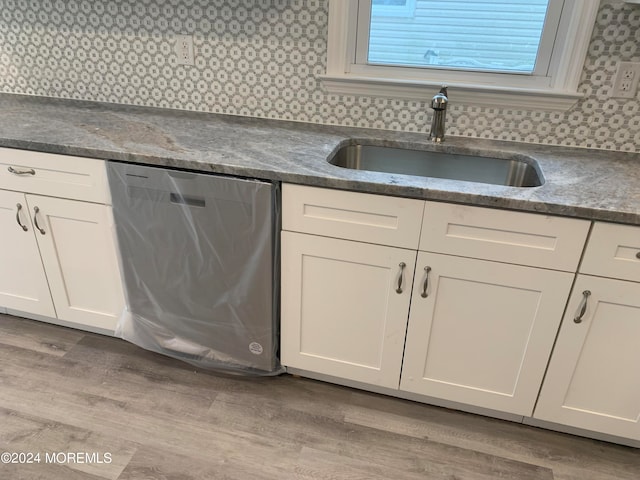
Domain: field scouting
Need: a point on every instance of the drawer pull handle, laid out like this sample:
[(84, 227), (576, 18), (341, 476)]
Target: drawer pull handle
[(583, 307), (402, 266), (30, 171), (425, 286), (638, 255), (35, 220), (23, 226)]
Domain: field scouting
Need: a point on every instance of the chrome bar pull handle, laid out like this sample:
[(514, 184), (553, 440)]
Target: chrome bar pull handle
[(425, 286), (35, 220), (29, 171), (402, 266), (583, 307), (22, 225)]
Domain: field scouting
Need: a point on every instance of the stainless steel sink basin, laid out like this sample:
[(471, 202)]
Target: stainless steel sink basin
[(511, 172)]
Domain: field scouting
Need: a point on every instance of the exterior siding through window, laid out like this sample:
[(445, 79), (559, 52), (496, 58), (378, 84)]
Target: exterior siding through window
[(497, 35)]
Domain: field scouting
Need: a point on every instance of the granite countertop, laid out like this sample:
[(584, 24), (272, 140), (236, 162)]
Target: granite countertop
[(591, 184)]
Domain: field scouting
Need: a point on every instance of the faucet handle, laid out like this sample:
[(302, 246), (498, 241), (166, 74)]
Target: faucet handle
[(440, 99)]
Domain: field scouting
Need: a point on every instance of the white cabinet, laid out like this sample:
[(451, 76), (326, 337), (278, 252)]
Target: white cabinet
[(482, 335), (593, 380), (79, 258), (344, 307), (352, 216), (489, 290), (543, 241), (58, 254), (613, 251), (23, 283), (53, 175), (481, 332), (345, 303)]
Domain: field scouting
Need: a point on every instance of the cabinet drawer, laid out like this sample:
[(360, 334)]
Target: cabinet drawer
[(352, 216), (613, 251), (53, 175), (504, 236)]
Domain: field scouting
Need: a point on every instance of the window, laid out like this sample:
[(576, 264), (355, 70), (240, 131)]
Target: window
[(465, 35), (515, 53)]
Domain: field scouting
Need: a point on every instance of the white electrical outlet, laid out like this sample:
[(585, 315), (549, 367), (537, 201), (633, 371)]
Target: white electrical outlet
[(625, 84), (184, 50)]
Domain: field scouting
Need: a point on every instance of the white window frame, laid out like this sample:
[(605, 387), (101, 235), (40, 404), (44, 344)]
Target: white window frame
[(405, 10), (557, 90)]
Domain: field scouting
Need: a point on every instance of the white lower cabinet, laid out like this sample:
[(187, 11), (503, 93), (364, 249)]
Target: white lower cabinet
[(483, 326), (79, 257), (344, 307), (59, 260), (481, 332), (57, 249), (593, 381), (23, 283)]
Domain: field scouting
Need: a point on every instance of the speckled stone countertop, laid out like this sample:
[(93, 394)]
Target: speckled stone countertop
[(592, 184)]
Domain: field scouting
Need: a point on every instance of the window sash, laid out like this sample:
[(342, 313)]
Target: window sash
[(542, 64)]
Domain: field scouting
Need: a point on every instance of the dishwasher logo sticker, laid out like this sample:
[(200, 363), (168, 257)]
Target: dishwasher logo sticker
[(256, 348)]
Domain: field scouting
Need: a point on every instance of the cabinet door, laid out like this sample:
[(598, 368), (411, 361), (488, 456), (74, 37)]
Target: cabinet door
[(342, 314), (483, 333), (23, 284), (593, 381), (78, 252)]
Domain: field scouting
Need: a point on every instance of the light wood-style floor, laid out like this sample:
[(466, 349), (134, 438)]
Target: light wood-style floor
[(66, 391)]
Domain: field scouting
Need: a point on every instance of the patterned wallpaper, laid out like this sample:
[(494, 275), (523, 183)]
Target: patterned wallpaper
[(261, 58)]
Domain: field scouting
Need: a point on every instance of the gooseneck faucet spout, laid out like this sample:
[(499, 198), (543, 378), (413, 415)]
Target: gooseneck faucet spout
[(439, 105)]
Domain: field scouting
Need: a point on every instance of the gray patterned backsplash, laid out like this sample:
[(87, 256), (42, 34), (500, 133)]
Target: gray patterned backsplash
[(261, 58)]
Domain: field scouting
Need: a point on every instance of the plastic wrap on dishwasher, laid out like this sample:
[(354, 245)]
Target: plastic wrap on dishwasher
[(199, 260)]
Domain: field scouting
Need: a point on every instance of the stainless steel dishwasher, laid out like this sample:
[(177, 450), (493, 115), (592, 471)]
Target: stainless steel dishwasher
[(199, 259)]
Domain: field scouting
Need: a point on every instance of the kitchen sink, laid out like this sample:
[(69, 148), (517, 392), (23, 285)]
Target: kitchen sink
[(513, 172)]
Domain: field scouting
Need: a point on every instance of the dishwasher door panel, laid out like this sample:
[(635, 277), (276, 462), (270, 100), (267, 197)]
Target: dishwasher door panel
[(198, 257)]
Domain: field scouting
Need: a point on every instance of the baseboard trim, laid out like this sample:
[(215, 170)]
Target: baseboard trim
[(533, 422), (580, 432), (438, 402), (55, 321)]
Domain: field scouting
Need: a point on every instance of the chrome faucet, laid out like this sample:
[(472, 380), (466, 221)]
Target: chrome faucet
[(439, 105)]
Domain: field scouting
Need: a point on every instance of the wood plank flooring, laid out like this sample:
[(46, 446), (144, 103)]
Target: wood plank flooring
[(66, 391)]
